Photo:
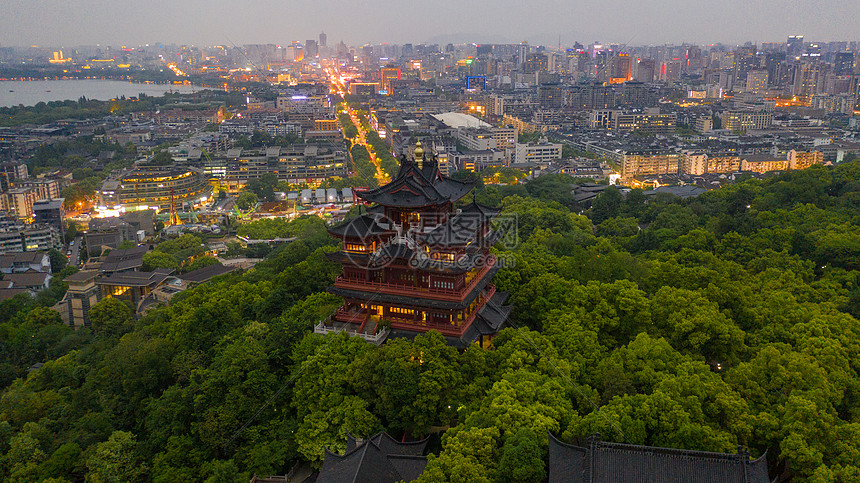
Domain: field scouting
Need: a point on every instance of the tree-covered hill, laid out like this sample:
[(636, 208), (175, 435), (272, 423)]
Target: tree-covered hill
[(723, 320)]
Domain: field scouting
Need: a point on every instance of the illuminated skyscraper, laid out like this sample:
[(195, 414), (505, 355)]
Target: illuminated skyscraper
[(794, 46), (843, 63), (745, 60), (757, 81), (806, 79)]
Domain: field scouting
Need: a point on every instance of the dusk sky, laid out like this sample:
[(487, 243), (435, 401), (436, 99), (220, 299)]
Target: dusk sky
[(207, 22)]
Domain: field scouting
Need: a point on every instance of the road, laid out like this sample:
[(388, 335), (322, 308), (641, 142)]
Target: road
[(75, 258), (338, 86)]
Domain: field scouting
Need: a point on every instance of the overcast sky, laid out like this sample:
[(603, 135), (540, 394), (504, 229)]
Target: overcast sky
[(207, 22)]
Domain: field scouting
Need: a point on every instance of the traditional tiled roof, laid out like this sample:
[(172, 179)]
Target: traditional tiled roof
[(206, 273), (136, 279), (364, 226), (462, 228), (380, 459), (33, 280), (625, 463), (415, 186), (8, 293)]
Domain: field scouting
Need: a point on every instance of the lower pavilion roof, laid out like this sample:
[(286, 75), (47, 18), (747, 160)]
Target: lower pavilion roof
[(364, 226), (416, 300), (460, 229), (604, 462), (379, 458), (401, 255)]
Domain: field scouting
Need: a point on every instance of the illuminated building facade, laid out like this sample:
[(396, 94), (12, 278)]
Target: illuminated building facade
[(386, 75), (804, 159), (744, 120), (643, 164), (159, 188), (412, 264), (132, 286)]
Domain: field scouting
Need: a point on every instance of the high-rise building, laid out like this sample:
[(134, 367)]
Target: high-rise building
[(522, 52), (807, 79), (745, 61), (670, 70), (621, 69), (843, 63), (794, 46), (778, 72), (323, 39), (50, 212), (644, 70), (386, 75), (535, 62), (757, 81), (311, 48)]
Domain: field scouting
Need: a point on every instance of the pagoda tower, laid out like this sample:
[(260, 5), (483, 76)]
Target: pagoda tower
[(412, 263)]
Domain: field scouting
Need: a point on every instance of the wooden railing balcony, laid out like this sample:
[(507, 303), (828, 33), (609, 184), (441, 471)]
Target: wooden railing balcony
[(354, 322), (430, 292), (376, 338), (445, 328)]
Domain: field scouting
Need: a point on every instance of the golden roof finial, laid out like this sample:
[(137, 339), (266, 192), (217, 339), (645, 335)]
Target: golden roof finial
[(419, 155)]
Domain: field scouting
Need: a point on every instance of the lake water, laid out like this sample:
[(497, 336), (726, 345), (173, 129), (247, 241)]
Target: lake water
[(29, 93)]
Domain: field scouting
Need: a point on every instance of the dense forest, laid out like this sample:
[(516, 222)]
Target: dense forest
[(723, 320)]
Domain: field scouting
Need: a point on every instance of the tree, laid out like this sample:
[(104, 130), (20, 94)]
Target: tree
[(264, 187), (161, 158), (522, 459), (607, 205), (201, 263), (158, 259), (58, 260), (71, 230), (110, 317), (116, 460), (246, 200)]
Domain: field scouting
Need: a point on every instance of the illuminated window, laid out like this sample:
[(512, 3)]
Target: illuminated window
[(354, 247)]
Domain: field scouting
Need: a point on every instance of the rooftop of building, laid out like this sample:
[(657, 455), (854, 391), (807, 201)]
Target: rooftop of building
[(27, 279), (137, 279), (418, 184), (379, 458), (206, 273), (7, 260), (602, 461), (457, 120)]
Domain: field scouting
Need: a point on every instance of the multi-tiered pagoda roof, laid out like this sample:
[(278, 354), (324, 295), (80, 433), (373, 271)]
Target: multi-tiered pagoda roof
[(412, 262)]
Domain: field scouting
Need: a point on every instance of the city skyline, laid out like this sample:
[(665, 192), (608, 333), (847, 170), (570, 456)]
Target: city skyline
[(549, 22)]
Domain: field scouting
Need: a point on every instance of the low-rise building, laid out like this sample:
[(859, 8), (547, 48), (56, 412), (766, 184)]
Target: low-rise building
[(20, 262), (35, 281), (132, 286), (644, 163), (20, 238), (804, 159), (763, 163), (541, 152), (745, 120)]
